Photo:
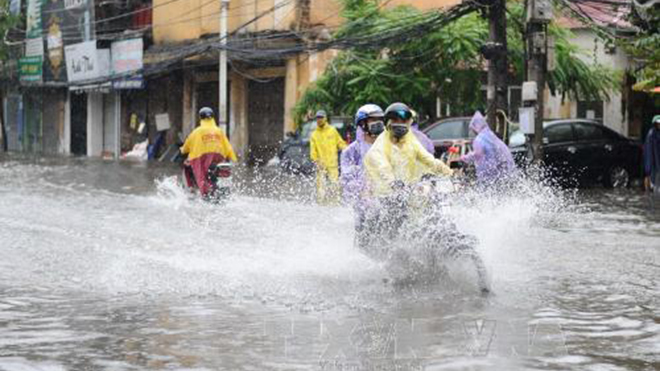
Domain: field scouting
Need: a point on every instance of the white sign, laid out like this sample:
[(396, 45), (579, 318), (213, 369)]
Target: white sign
[(85, 62), (527, 119), (73, 4), (127, 56), (34, 47), (162, 121), (15, 7)]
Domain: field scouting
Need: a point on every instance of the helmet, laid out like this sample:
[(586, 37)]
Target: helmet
[(398, 110), (205, 113), (367, 111)]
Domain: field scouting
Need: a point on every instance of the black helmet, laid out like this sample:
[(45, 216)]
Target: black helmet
[(398, 110), (205, 113)]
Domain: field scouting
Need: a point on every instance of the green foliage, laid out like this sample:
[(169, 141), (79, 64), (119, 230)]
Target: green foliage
[(445, 63), (7, 21), (645, 47)]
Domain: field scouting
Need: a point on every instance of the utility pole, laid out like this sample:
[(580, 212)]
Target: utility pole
[(539, 14), (498, 69), (222, 78)]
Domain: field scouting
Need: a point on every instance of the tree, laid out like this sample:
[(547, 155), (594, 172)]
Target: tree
[(645, 47), (7, 22), (446, 63)]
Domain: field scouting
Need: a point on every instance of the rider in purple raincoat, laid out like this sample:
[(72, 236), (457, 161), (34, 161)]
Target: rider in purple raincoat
[(426, 142), (369, 122), (490, 155)]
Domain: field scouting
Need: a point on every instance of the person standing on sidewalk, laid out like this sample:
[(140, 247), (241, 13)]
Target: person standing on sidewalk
[(325, 145), (652, 157)]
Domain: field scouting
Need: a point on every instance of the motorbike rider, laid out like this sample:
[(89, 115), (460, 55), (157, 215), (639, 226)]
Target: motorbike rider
[(423, 138), (369, 125), (397, 158), (205, 146)]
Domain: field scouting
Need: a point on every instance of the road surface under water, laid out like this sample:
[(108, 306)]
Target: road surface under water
[(110, 266)]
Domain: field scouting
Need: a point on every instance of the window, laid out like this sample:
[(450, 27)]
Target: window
[(447, 130), (590, 110), (586, 132), (559, 133)]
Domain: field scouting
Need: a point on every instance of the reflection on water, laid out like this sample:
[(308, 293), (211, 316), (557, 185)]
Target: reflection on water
[(106, 269)]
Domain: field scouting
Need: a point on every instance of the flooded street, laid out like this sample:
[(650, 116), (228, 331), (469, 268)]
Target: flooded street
[(110, 266)]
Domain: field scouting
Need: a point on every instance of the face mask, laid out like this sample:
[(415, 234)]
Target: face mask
[(375, 128), (399, 130)]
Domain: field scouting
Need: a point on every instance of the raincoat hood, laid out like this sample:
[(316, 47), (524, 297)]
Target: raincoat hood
[(478, 123)]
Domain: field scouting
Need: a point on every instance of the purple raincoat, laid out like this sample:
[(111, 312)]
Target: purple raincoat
[(352, 168), (490, 155), (423, 139)]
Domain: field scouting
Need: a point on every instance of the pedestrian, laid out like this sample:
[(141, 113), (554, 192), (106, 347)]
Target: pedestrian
[(205, 146), (423, 138), (325, 145), (652, 157), (491, 157)]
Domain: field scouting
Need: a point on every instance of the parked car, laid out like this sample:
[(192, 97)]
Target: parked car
[(294, 153), (580, 152), (449, 132)]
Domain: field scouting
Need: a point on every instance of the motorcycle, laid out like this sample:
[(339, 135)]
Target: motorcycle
[(414, 234), (219, 176)]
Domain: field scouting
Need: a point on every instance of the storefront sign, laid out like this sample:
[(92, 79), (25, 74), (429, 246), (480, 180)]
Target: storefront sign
[(85, 62), (64, 22), (127, 56), (29, 69), (135, 82), (33, 19), (34, 47), (74, 4)]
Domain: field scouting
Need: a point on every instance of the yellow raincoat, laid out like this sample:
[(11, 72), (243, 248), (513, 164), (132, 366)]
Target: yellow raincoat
[(406, 161), (207, 139), (325, 145), (206, 145)]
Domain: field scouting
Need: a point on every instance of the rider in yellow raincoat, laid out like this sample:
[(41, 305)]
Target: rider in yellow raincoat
[(397, 157), (325, 145), (206, 145)]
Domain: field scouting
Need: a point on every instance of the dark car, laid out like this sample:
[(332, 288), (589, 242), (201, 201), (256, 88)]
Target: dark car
[(294, 154), (449, 132), (580, 152)]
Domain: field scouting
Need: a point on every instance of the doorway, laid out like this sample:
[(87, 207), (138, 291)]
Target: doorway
[(266, 119), (78, 124)]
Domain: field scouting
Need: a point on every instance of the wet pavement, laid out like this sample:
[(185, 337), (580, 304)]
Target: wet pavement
[(111, 266)]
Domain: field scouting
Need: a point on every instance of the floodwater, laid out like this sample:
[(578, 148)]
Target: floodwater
[(110, 266)]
